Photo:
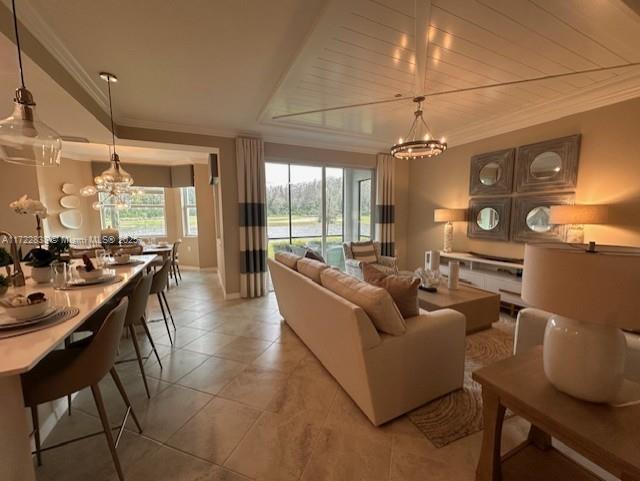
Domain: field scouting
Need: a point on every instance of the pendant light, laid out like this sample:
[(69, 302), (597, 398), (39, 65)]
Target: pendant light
[(24, 140), (419, 142), (115, 181)]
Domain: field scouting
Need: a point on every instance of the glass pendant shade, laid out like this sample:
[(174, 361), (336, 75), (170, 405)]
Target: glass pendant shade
[(88, 191), (24, 140), (115, 176)]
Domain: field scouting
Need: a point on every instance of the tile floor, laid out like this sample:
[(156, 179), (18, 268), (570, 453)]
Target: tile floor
[(240, 397)]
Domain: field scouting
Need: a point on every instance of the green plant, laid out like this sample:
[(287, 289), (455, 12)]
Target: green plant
[(58, 245), (4, 281), (40, 257)]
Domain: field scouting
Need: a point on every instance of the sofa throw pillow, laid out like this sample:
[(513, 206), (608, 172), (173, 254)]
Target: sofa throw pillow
[(315, 255), (288, 259), (375, 301), (403, 289), (364, 252), (311, 269)]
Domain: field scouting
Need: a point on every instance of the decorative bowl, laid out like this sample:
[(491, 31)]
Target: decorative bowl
[(89, 275), (28, 311)]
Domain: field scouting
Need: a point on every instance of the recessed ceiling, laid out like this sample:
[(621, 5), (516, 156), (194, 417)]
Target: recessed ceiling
[(232, 66)]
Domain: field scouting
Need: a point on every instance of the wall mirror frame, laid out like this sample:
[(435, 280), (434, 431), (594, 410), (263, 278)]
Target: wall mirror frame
[(524, 209), (492, 173), (502, 207), (551, 165)]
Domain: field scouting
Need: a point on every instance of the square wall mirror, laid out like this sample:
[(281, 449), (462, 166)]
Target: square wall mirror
[(492, 173), (530, 218), (489, 218), (551, 165)]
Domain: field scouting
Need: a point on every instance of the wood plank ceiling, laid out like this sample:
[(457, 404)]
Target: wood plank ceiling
[(368, 50)]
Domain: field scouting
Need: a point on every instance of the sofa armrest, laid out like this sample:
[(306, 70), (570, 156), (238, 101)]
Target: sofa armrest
[(530, 327), (388, 261)]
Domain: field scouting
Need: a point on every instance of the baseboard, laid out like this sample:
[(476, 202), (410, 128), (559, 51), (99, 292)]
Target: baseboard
[(231, 295), (208, 269)]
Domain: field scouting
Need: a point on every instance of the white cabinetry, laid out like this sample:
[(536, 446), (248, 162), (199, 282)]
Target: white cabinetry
[(504, 278)]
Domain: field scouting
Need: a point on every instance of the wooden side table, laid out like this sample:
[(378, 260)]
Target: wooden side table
[(481, 308), (607, 436)]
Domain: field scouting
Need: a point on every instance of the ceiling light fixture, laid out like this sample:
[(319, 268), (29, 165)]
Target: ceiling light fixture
[(115, 181), (419, 142), (24, 140)]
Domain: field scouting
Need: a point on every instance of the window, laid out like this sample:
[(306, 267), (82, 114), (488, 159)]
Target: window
[(189, 212), (364, 209), (316, 207), (145, 217)]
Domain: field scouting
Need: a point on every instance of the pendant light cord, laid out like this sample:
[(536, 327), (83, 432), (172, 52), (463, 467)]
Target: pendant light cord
[(15, 27), (113, 135)]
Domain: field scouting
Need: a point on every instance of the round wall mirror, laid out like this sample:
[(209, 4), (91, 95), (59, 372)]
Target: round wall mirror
[(546, 165), (538, 219), (490, 173), (488, 218)]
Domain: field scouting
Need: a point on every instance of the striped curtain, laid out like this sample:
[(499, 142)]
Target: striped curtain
[(385, 205), (253, 221)]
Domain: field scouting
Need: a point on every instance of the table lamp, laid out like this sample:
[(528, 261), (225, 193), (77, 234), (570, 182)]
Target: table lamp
[(592, 295), (576, 216), (449, 216)]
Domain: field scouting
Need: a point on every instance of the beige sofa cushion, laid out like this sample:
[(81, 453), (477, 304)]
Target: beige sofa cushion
[(288, 259), (403, 289), (311, 268), (375, 301)]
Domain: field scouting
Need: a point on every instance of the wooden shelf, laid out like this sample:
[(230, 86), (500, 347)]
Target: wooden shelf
[(528, 463)]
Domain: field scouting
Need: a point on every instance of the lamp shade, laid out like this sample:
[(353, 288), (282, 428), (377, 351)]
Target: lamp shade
[(597, 287), (579, 214), (449, 215)]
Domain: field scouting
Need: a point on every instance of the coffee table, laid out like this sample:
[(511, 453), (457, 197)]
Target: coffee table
[(481, 308)]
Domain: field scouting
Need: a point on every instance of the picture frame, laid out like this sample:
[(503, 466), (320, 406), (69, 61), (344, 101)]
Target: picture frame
[(551, 165), (494, 213), (529, 214), (484, 180)]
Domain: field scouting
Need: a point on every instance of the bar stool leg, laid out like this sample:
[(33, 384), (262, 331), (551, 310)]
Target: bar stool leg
[(178, 269), (153, 346), (36, 432), (164, 297), (97, 396), (125, 398), (132, 330), (164, 315)]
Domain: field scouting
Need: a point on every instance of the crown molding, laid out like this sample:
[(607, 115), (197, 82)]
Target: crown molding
[(41, 30)]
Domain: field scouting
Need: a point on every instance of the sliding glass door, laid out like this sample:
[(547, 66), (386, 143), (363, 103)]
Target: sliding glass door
[(313, 207)]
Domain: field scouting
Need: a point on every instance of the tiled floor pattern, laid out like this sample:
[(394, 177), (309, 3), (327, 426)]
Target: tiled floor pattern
[(240, 397)]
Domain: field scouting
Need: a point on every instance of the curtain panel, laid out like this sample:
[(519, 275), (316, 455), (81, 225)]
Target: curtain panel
[(253, 221), (385, 204)]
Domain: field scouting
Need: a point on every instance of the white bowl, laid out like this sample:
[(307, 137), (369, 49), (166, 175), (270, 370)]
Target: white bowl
[(29, 311), (90, 276)]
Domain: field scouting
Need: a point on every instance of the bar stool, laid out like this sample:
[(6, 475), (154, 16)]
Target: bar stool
[(138, 299), (175, 261), (160, 282), (81, 365)]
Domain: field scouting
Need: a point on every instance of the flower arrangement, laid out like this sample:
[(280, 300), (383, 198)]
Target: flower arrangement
[(25, 205)]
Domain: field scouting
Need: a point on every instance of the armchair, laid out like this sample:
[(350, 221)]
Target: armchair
[(353, 266)]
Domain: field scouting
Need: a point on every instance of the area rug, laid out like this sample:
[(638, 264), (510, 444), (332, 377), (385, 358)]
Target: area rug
[(459, 414)]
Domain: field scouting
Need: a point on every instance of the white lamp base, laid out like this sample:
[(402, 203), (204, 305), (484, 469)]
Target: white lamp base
[(448, 237), (584, 360)]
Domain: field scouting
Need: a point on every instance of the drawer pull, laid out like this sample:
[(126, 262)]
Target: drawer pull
[(505, 291)]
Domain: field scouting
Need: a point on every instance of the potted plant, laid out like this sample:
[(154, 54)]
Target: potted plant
[(58, 246), (4, 284), (26, 206), (40, 261)]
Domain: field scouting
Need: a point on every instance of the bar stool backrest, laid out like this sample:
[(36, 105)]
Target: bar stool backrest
[(161, 278), (174, 249), (138, 300)]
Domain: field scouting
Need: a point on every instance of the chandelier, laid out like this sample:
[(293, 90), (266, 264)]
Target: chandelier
[(24, 140), (419, 142), (115, 182)]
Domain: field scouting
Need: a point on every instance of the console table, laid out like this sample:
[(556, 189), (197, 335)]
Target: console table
[(503, 278), (607, 436)]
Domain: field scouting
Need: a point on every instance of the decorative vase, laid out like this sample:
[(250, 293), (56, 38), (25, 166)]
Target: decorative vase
[(454, 275), (41, 275), (584, 360), (448, 237)]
